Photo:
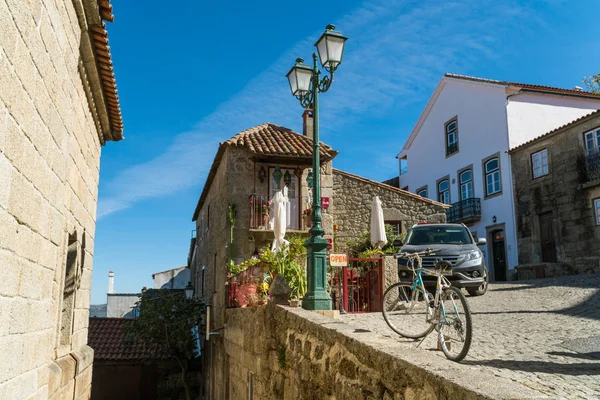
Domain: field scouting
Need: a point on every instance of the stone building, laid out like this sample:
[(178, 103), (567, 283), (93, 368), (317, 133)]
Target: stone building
[(247, 171), (401, 209), (557, 200), (58, 106)]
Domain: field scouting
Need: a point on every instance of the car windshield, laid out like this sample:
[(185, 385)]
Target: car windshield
[(425, 235)]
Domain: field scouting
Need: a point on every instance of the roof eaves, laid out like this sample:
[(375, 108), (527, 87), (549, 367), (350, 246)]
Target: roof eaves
[(210, 177), (556, 130)]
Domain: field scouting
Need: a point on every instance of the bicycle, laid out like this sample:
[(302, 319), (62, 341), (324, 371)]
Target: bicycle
[(413, 312)]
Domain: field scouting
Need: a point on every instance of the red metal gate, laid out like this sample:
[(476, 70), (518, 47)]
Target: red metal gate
[(362, 285)]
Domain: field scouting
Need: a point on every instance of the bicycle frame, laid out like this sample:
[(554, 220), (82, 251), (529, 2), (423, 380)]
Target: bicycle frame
[(418, 286)]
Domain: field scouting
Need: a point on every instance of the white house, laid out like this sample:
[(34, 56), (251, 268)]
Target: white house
[(456, 153)]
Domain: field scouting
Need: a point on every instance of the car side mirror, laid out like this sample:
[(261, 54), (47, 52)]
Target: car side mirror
[(481, 241), (398, 243)]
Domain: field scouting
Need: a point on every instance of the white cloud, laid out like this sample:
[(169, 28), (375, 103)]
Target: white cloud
[(396, 54)]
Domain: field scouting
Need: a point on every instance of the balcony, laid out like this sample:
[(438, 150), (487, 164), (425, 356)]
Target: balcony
[(261, 215), (465, 211)]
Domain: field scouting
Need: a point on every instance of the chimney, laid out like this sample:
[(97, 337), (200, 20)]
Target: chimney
[(111, 282), (307, 123)]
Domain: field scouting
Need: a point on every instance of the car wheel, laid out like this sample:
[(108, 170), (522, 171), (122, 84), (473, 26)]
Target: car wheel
[(481, 289)]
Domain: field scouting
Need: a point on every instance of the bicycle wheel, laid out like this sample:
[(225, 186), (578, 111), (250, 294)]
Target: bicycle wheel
[(406, 317), (455, 331)]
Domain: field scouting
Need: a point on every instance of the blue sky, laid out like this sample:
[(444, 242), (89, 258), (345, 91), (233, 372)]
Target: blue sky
[(192, 74)]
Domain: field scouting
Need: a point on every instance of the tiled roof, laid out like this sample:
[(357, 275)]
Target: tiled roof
[(267, 140), (274, 140), (526, 86), (105, 69), (556, 130), (108, 339), (391, 188)]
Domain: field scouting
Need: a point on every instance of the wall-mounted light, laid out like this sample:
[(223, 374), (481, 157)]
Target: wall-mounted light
[(309, 179), (277, 175), (262, 174), (494, 219), (189, 291), (287, 178)]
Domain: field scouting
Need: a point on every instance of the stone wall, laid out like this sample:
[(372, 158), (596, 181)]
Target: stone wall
[(282, 353), (49, 168), (564, 193), (353, 197)]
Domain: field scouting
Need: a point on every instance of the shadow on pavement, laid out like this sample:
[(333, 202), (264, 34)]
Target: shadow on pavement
[(594, 355), (586, 309), (539, 366)]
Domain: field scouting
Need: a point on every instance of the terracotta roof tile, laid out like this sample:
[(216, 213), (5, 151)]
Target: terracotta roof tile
[(107, 337), (526, 86), (99, 37), (556, 130), (274, 140), (266, 140)]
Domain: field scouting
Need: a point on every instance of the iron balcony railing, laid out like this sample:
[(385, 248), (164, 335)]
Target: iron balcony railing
[(260, 211), (592, 164), (468, 209)]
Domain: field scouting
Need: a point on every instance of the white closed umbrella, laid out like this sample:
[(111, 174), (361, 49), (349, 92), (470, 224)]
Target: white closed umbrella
[(280, 202), (378, 238)]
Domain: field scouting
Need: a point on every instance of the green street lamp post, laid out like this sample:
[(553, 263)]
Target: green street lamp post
[(306, 85)]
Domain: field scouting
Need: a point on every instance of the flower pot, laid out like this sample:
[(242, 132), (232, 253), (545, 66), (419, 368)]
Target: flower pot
[(308, 221), (265, 219), (294, 302)]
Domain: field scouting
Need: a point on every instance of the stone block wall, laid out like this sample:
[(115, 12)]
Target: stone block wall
[(353, 196), (49, 169), (276, 352), (564, 193)]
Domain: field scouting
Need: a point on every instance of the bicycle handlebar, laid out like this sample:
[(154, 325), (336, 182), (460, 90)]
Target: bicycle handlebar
[(425, 252)]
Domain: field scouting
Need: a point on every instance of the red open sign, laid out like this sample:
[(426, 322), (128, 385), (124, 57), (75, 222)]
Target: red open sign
[(325, 202)]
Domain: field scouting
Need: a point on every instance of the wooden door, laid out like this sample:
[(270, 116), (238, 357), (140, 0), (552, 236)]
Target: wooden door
[(547, 237), (499, 254)]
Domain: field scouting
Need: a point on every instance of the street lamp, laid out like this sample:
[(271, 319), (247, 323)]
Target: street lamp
[(306, 86)]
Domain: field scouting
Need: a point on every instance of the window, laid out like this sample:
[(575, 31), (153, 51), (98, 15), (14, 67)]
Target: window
[(451, 136), (69, 288), (444, 191), (466, 184), (592, 141), (427, 235), (203, 279), (403, 166), (422, 192), (475, 236), (539, 163), (396, 226), (597, 210), (207, 217), (201, 230), (492, 176)]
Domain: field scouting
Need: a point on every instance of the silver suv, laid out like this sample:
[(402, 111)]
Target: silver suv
[(456, 245)]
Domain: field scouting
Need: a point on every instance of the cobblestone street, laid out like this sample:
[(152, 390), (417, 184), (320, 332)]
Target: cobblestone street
[(544, 334)]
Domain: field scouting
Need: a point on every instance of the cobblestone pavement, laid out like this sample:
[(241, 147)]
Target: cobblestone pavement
[(544, 334)]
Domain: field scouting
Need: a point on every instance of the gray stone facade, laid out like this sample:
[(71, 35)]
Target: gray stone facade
[(557, 229), (353, 196), (53, 121)]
